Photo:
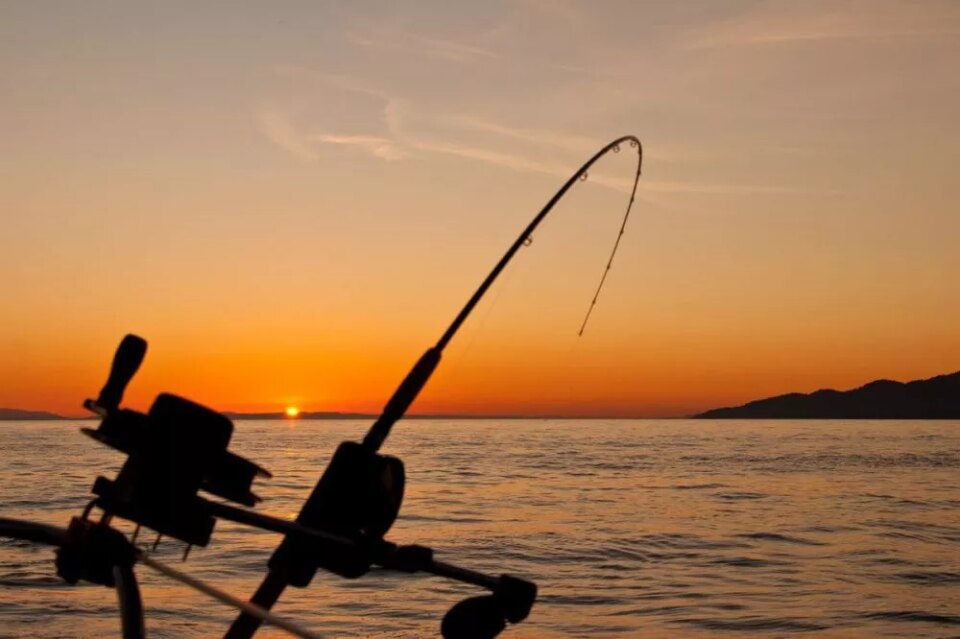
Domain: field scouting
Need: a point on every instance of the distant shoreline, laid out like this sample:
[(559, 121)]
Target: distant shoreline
[(934, 398)]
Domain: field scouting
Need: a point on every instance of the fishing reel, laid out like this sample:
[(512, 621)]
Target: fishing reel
[(359, 497), (175, 450)]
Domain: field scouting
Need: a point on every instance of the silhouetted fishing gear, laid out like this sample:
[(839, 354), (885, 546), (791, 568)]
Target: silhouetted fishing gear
[(361, 491), (179, 448)]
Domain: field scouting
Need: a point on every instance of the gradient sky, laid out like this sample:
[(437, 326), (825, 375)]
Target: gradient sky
[(290, 200)]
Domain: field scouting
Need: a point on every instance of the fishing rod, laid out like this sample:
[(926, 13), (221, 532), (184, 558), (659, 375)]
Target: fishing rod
[(418, 376), (179, 448), (361, 491)]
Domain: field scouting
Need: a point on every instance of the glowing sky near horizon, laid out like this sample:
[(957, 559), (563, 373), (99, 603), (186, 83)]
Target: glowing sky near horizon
[(290, 200)]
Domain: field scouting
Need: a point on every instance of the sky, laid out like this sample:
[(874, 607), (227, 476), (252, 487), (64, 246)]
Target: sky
[(291, 200)]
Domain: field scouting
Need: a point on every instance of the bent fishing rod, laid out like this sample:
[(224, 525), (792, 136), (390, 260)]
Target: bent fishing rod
[(355, 465), (418, 376)]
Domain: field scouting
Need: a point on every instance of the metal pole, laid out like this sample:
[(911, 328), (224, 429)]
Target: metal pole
[(131, 606)]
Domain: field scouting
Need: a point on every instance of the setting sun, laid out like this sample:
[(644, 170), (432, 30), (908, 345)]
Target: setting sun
[(292, 411)]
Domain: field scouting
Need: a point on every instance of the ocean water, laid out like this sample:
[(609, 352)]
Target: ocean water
[(631, 529)]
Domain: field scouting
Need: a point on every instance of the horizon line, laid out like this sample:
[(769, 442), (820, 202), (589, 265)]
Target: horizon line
[(335, 415)]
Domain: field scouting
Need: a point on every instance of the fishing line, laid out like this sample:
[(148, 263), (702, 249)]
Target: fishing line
[(255, 611), (479, 324), (613, 253)]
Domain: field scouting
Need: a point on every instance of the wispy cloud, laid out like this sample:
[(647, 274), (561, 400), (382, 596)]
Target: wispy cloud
[(812, 34), (480, 48), (393, 115), (578, 143), (400, 143), (668, 186), (347, 83), (494, 158), (801, 23), (380, 147), (437, 47), (276, 125)]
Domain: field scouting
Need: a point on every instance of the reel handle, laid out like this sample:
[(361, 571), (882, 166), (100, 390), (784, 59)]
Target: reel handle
[(126, 362)]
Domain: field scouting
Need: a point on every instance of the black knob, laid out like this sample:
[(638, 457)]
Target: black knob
[(474, 618), (126, 361)]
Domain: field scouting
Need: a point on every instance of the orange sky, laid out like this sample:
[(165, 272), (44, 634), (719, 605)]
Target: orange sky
[(290, 201)]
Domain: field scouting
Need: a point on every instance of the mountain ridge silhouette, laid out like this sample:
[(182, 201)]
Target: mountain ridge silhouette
[(20, 414), (933, 398)]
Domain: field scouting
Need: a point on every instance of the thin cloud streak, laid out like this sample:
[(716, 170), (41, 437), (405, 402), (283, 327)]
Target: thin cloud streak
[(339, 81), (278, 128), (520, 163), (400, 144), (580, 144), (812, 36), (393, 118), (849, 21), (494, 158), (436, 47), (376, 146)]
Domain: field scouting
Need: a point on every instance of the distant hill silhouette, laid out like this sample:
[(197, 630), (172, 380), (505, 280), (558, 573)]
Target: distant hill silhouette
[(16, 413), (934, 398), (302, 415)]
